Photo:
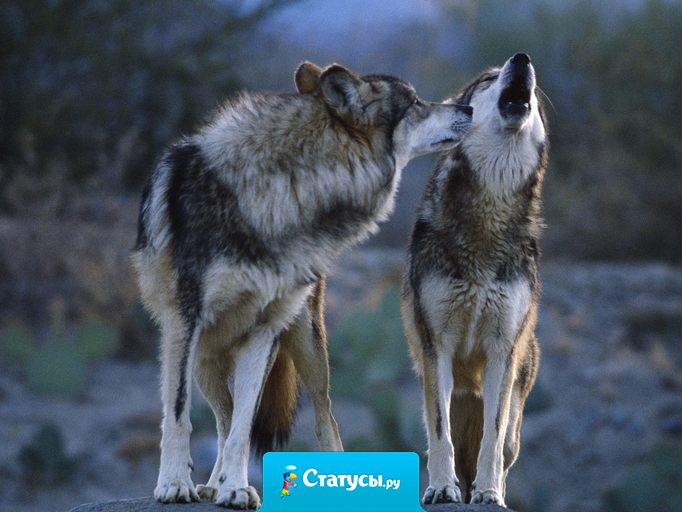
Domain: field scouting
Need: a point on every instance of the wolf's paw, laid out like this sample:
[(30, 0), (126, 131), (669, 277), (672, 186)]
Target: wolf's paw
[(243, 498), (444, 494), (489, 497), (176, 490), (206, 493)]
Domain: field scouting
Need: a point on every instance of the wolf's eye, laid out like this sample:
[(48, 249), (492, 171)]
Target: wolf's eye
[(488, 81)]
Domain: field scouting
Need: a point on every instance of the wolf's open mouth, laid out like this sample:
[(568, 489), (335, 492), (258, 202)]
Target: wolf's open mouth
[(515, 99)]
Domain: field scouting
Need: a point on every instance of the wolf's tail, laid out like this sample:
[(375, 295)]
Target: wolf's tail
[(275, 416), (466, 432)]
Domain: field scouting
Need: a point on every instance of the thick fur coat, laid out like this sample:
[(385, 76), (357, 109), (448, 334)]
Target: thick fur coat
[(238, 225), (470, 293)]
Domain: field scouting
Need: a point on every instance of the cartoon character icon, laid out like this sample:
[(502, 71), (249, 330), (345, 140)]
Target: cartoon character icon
[(289, 477)]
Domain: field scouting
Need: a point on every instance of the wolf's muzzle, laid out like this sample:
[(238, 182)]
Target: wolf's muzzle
[(462, 121), (514, 100)]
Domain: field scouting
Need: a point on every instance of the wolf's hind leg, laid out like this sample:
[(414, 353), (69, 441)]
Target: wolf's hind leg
[(526, 374), (212, 372), (178, 345), (511, 438), (252, 365), (306, 341), (497, 392)]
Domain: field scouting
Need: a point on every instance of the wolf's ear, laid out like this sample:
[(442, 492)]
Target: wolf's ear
[(307, 77), (341, 91)]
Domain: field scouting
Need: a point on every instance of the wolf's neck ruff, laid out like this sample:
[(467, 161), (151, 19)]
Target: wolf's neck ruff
[(503, 153), (295, 181), (502, 162)]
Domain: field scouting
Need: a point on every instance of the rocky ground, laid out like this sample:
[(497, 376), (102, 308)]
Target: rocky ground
[(608, 393), (149, 505)]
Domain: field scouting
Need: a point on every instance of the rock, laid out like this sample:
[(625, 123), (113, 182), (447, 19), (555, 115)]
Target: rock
[(145, 505), (460, 507), (151, 505)]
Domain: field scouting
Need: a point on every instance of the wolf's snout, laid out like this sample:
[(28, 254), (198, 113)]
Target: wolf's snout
[(463, 118), (456, 121), (463, 115), (520, 59), (518, 80)]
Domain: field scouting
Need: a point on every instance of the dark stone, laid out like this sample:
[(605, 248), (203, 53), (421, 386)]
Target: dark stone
[(146, 505), (460, 507)]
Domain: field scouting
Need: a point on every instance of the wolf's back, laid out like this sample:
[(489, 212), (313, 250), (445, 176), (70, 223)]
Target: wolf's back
[(167, 181)]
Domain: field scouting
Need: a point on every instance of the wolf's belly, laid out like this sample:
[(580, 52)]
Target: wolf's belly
[(470, 317)]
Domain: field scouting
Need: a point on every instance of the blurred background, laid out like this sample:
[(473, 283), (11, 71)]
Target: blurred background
[(92, 91)]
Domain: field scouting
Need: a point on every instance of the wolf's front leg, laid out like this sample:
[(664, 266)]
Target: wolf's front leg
[(437, 381), (253, 362), (497, 388), (178, 353)]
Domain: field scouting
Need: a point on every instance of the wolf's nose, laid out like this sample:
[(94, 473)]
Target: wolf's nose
[(520, 58)]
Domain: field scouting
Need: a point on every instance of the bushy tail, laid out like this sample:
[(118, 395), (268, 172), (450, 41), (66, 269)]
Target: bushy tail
[(275, 416), (466, 420)]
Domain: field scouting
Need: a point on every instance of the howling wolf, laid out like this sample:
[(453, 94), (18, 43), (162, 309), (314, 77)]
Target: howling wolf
[(237, 226), (470, 292)]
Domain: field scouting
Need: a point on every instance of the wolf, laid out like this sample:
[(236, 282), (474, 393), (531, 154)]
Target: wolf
[(238, 225), (470, 289)]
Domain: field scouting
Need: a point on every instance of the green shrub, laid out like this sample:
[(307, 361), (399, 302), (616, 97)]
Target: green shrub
[(17, 343), (56, 369), (138, 335), (655, 486), (399, 426), (369, 357), (142, 318), (95, 340), (369, 349), (362, 443), (297, 445), (43, 460), (202, 417)]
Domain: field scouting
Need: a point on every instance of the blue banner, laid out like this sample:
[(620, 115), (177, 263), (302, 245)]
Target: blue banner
[(340, 482)]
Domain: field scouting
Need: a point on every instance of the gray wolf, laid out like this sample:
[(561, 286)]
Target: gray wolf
[(470, 290), (237, 227)]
